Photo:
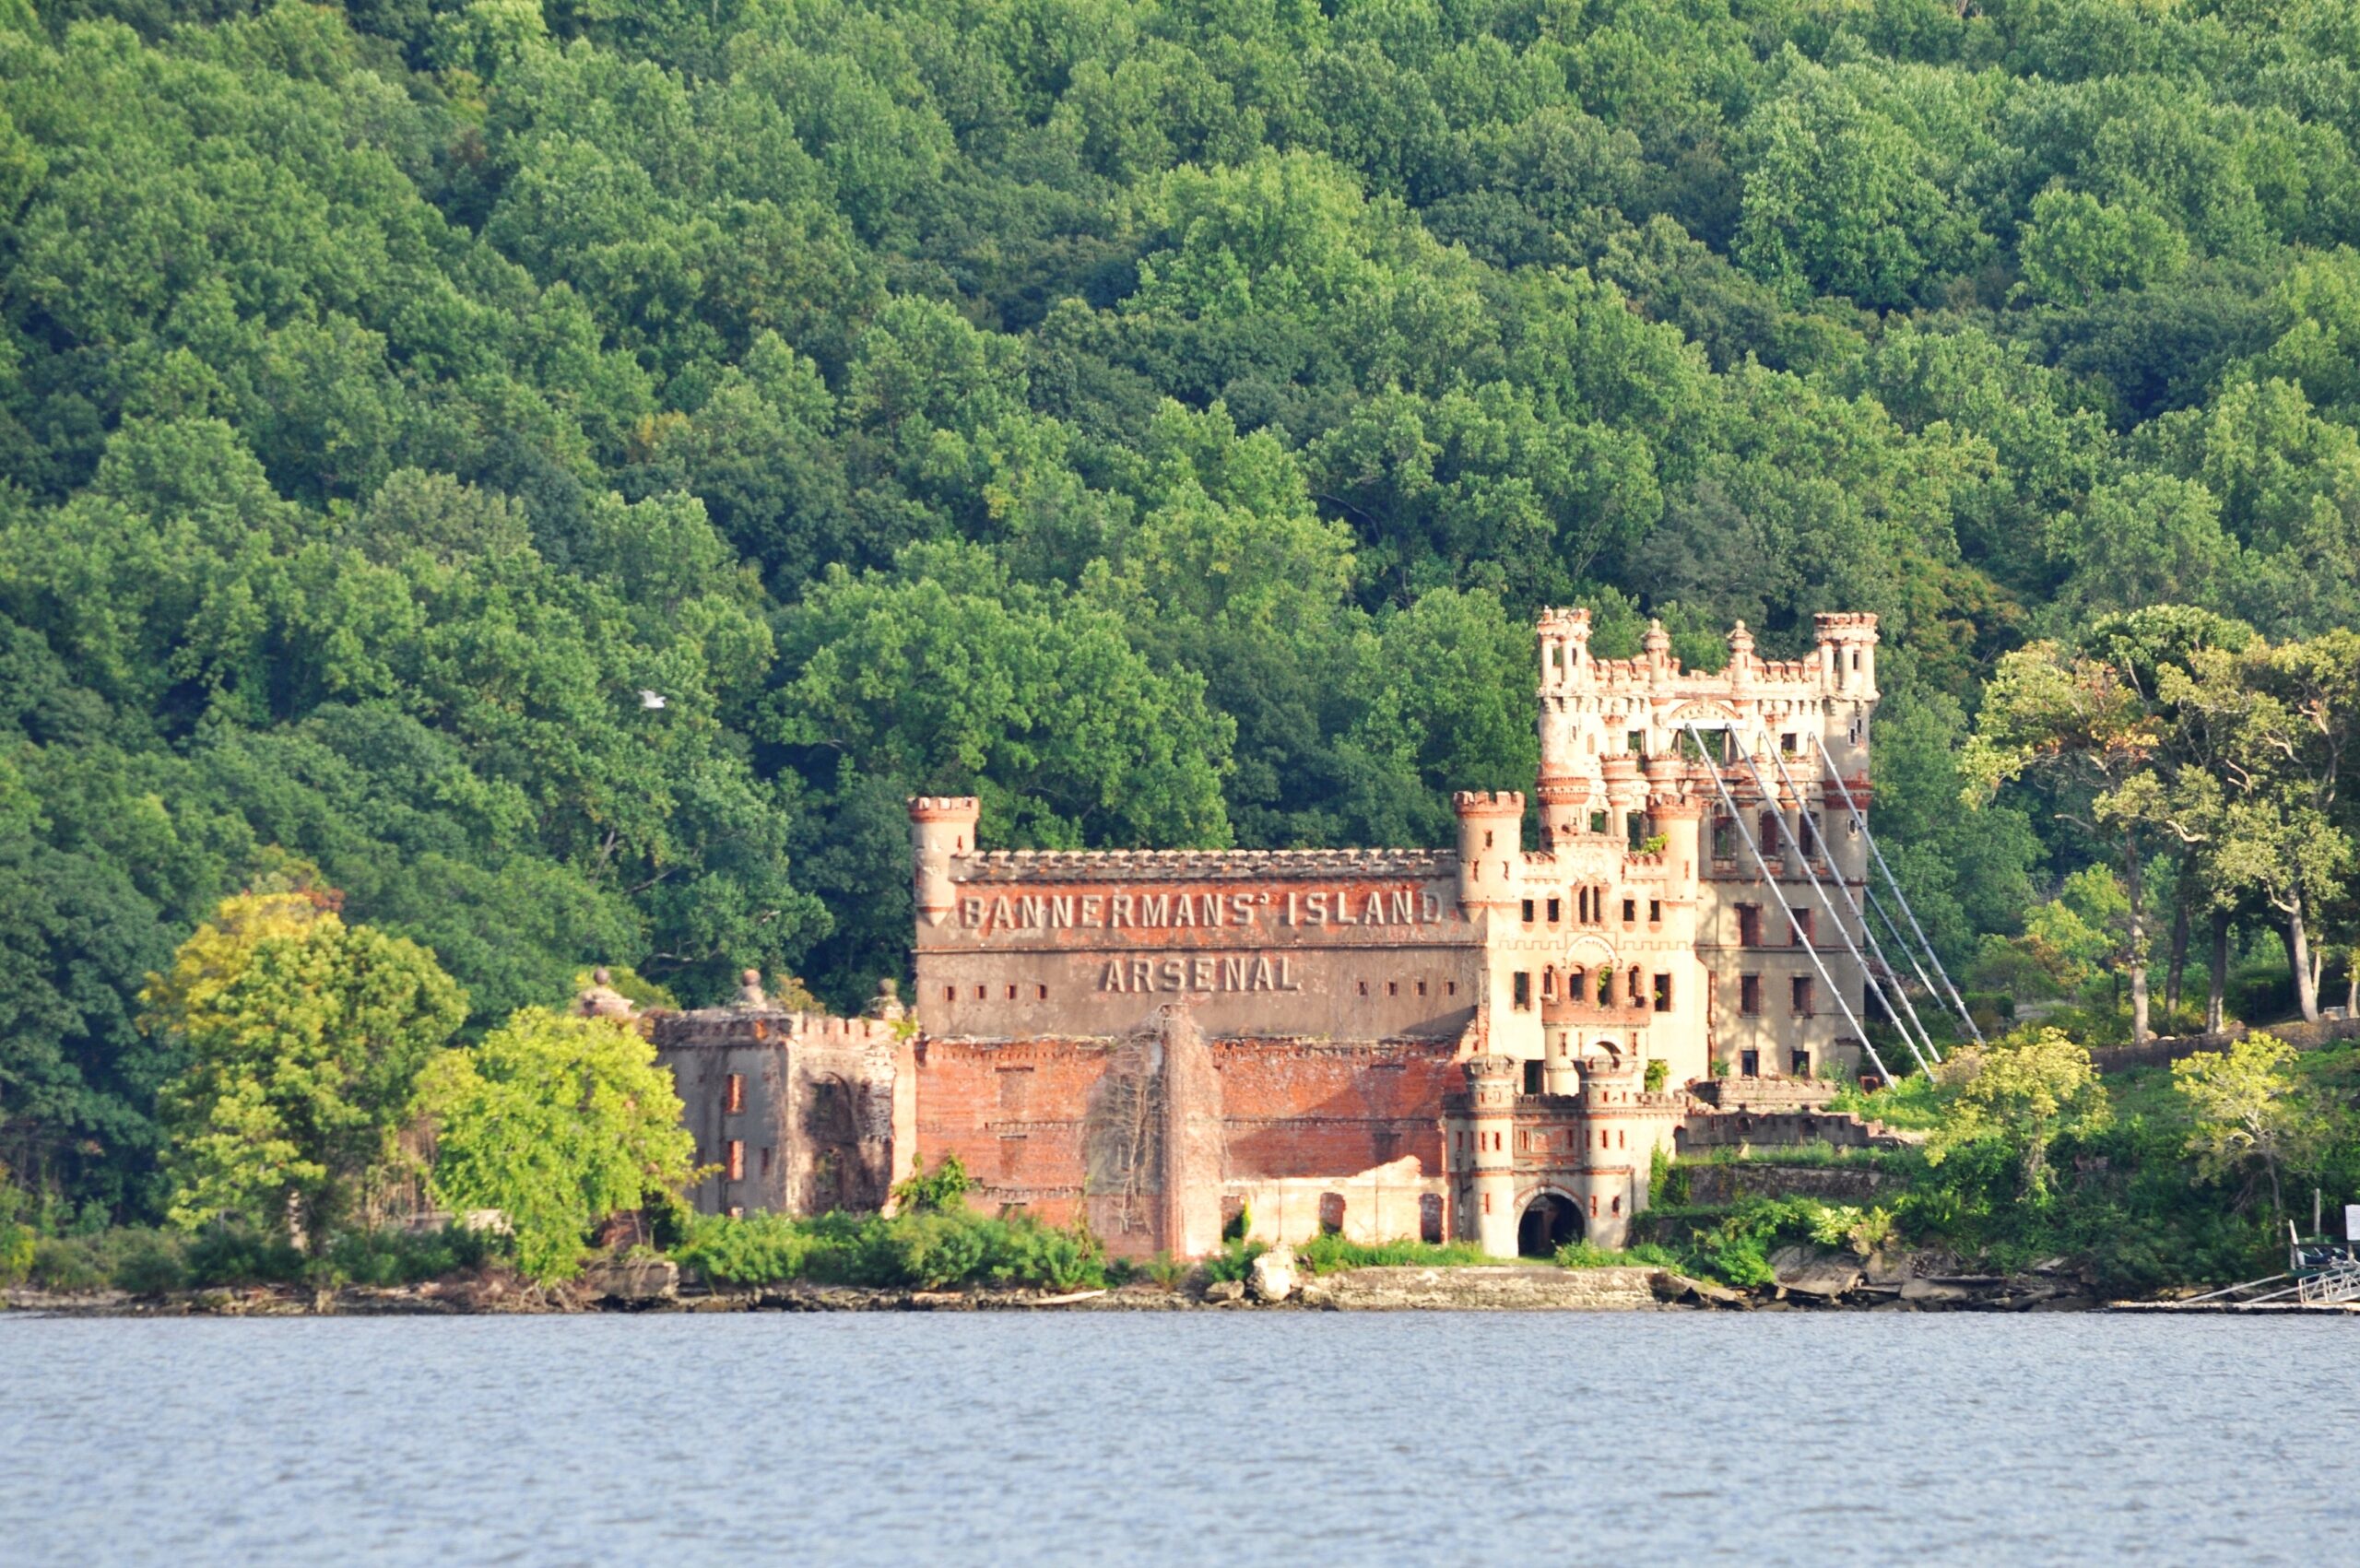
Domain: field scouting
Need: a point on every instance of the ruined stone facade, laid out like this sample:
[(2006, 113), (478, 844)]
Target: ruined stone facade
[(1452, 1043)]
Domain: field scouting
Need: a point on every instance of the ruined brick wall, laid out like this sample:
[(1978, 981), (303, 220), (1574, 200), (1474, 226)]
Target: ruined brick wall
[(807, 1126), (1016, 1114), (1144, 1135), (1311, 1108)]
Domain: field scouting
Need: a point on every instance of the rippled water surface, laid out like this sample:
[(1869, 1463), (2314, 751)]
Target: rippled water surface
[(1230, 1438)]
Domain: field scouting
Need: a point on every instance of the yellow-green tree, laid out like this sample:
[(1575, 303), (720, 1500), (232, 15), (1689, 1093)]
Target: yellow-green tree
[(2248, 1114), (304, 1038), (557, 1122), (2029, 1090)]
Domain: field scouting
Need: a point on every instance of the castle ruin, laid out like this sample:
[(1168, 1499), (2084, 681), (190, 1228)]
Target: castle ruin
[(1486, 1043)]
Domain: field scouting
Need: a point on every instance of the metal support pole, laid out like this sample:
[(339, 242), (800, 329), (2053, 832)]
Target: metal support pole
[(1893, 929), (1802, 858), (1828, 763), (1868, 934), (1762, 864)]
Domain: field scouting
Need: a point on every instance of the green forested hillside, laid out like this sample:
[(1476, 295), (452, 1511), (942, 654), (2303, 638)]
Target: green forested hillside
[(1161, 418)]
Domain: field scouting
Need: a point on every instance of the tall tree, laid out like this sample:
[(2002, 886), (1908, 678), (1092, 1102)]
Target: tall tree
[(304, 1038)]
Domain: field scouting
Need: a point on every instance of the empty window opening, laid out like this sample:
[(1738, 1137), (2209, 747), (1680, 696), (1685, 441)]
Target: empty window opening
[(736, 1159), (1619, 1140), (1663, 993), (1749, 995), (1803, 927), (1532, 1078), (1655, 911), (1430, 1218), (1363, 987), (1011, 993), (1393, 987), (1749, 926), (1487, 838), (1772, 825), (766, 1160), (1724, 838), (1598, 821), (1450, 987), (1630, 912), (1635, 986), (1528, 912), (1799, 1062), (1331, 1214), (1421, 988), (1040, 993), (1549, 984), (1749, 1063), (1554, 906), (1523, 988), (1787, 743), (951, 993), (734, 1098), (1636, 740), (1802, 995), (979, 993)]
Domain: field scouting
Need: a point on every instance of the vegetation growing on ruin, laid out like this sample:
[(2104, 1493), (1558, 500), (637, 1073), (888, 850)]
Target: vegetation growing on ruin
[(566, 472), (2186, 1172)]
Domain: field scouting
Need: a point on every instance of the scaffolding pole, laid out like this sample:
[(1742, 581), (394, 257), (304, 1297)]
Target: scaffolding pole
[(1869, 934), (1803, 860), (1834, 990), (1828, 765)]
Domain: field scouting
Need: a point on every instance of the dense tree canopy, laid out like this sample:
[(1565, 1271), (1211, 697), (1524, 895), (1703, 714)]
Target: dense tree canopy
[(566, 470)]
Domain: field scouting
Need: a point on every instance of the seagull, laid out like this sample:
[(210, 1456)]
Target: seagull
[(650, 699)]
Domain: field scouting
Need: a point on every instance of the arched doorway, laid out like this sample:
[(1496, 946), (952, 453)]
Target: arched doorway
[(1549, 1222)]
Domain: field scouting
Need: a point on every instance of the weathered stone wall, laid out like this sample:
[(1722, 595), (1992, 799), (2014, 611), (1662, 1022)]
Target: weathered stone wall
[(1729, 1129), (2167, 1048), (814, 1127)]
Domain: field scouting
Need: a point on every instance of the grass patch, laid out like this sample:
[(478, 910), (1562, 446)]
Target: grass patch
[(1326, 1255)]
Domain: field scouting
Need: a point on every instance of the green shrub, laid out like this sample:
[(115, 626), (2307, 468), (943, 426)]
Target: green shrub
[(393, 1257), (1589, 1255), (72, 1263), (926, 1249), (1325, 1255), (1235, 1259), (236, 1256), (149, 1263)]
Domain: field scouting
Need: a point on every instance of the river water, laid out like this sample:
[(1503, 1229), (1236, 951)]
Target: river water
[(1230, 1438)]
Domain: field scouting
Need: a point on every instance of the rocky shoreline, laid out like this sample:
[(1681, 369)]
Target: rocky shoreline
[(1807, 1282)]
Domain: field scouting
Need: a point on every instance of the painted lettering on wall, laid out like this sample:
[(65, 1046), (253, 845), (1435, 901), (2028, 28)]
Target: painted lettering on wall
[(1317, 908), (1202, 972)]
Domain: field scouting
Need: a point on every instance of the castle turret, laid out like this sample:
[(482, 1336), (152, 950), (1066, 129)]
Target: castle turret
[(1490, 842), (942, 827), (1491, 1090), (1848, 671), (1564, 666)]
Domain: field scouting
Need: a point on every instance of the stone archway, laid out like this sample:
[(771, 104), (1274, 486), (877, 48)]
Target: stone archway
[(1549, 1222)]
